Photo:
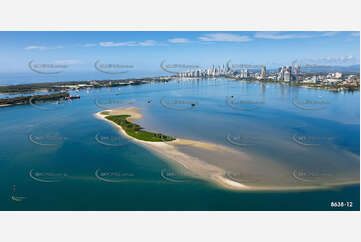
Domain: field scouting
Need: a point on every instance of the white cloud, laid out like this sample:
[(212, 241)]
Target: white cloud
[(37, 47), (128, 43), (223, 37), (179, 41), (279, 35), (113, 44), (89, 45), (148, 43), (330, 33)]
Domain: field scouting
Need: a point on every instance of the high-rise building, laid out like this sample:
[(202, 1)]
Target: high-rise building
[(244, 73), (297, 69), (315, 79), (281, 71), (338, 74), (263, 72), (287, 74)]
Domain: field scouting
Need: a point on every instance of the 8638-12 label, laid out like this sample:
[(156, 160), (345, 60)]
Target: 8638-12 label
[(341, 204)]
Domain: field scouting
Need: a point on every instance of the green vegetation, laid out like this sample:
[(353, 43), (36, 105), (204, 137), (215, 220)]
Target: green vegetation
[(135, 130), (64, 86), (21, 100)]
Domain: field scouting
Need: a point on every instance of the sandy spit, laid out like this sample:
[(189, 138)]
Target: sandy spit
[(200, 168), (169, 151)]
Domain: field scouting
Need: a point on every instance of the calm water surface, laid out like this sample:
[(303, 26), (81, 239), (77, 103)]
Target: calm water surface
[(59, 157)]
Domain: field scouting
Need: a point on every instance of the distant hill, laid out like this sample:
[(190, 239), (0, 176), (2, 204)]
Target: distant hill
[(344, 69)]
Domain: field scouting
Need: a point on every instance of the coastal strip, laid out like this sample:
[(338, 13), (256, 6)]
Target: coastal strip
[(23, 100)]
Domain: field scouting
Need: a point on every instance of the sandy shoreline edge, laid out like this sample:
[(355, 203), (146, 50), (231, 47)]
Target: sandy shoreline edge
[(197, 167), (168, 150)]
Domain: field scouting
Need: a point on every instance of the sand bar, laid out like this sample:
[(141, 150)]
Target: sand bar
[(201, 166), (168, 150)]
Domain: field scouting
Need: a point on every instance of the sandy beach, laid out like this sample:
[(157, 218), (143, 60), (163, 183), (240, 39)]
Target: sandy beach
[(169, 150), (213, 162), (5, 105)]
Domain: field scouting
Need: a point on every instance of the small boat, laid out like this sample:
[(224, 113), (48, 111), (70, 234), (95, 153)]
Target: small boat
[(73, 97), (17, 199)]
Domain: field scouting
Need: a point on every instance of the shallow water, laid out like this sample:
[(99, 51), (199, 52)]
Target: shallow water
[(56, 143)]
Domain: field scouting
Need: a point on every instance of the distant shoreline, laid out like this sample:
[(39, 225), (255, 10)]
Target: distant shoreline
[(59, 89), (62, 86), (23, 100), (76, 85), (332, 88)]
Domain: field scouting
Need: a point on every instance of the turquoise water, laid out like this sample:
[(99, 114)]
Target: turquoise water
[(59, 157)]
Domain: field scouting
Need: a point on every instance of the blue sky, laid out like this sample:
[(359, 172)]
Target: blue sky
[(145, 50)]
